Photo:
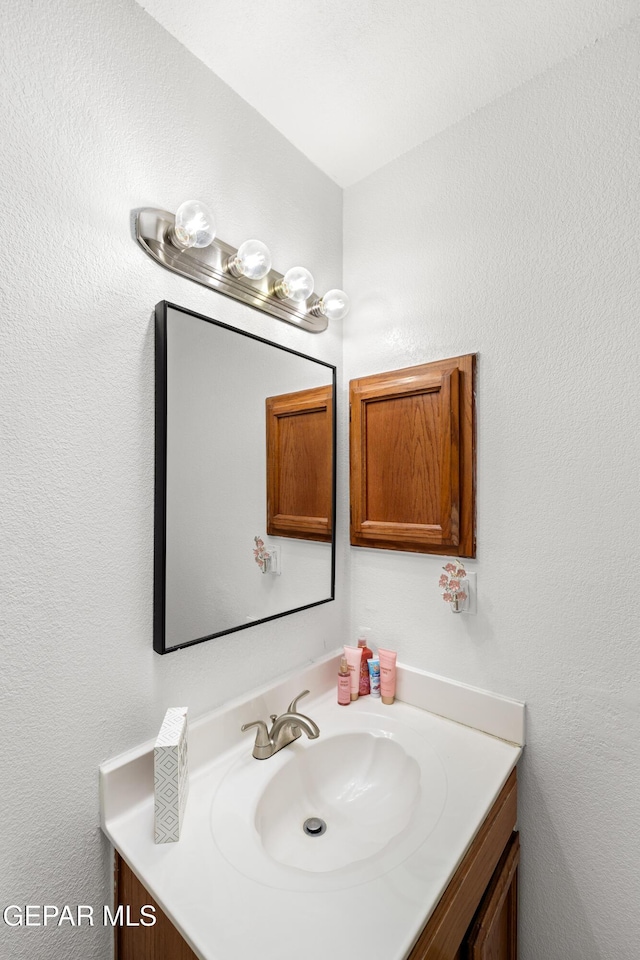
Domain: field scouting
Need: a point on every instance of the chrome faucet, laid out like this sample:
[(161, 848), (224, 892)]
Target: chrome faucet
[(284, 730)]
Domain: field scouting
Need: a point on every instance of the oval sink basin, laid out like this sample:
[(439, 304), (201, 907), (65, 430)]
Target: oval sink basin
[(365, 789), (380, 790)]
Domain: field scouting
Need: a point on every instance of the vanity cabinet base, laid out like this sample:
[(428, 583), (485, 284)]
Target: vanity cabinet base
[(159, 942), (447, 934), (475, 919), (494, 931)]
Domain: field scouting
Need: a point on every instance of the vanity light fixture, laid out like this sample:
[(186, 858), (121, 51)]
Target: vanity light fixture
[(296, 285), (334, 305), (195, 226), (253, 260), (187, 244)]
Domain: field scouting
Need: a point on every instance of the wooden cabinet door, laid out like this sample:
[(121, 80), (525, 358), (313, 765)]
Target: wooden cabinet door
[(413, 459), (300, 464), (494, 932)]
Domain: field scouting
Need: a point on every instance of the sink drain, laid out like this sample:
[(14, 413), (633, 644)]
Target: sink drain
[(314, 827)]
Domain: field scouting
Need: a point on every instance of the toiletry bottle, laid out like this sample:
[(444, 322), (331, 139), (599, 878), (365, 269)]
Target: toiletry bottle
[(344, 684), (354, 662), (387, 674), (363, 636), (374, 676)]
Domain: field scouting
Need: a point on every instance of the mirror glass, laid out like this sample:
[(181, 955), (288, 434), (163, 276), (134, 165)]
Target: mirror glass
[(216, 390)]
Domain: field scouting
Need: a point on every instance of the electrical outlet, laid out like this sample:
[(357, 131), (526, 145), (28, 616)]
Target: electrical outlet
[(470, 587), (274, 560)]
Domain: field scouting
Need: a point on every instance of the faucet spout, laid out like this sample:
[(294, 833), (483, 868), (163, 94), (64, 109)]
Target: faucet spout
[(288, 727), (284, 730)]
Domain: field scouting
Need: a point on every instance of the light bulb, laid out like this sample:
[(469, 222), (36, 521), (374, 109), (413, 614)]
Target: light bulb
[(334, 305), (252, 260), (297, 285), (195, 226)]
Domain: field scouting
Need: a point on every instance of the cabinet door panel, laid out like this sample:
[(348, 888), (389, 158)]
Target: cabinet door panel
[(494, 933), (300, 464), (412, 459)]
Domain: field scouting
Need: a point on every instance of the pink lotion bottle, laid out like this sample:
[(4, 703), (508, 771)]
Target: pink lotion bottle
[(365, 683), (344, 683)]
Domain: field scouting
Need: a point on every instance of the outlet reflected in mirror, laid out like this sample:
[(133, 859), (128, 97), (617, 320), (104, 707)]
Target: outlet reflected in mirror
[(215, 388)]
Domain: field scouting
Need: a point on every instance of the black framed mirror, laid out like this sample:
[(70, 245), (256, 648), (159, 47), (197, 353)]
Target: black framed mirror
[(229, 470)]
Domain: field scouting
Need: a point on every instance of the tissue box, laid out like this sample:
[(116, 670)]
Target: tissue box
[(171, 775)]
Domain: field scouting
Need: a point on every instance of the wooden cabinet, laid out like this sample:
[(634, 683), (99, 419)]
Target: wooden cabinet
[(412, 458), (475, 919), (494, 931), (447, 933), (300, 464), (158, 942)]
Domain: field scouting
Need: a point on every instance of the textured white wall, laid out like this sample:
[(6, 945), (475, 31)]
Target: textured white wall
[(102, 111), (515, 234), (522, 226)]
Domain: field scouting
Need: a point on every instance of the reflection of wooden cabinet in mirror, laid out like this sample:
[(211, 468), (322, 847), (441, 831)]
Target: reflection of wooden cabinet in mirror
[(413, 459), (300, 464)]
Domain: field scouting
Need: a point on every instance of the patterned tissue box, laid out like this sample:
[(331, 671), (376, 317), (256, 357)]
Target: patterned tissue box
[(171, 775)]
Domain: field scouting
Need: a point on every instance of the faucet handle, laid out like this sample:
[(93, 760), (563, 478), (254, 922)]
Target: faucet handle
[(262, 736), (293, 706)]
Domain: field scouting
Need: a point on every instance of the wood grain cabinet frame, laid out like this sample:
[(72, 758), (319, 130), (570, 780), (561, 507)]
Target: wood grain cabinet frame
[(412, 458), (300, 464)]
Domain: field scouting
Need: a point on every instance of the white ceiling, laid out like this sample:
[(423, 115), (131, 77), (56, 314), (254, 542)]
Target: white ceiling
[(355, 83)]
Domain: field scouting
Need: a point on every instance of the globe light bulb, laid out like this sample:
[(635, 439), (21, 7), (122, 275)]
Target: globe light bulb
[(195, 226), (334, 305), (252, 260), (296, 285)]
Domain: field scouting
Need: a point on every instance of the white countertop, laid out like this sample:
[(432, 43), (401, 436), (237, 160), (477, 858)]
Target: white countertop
[(226, 914)]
